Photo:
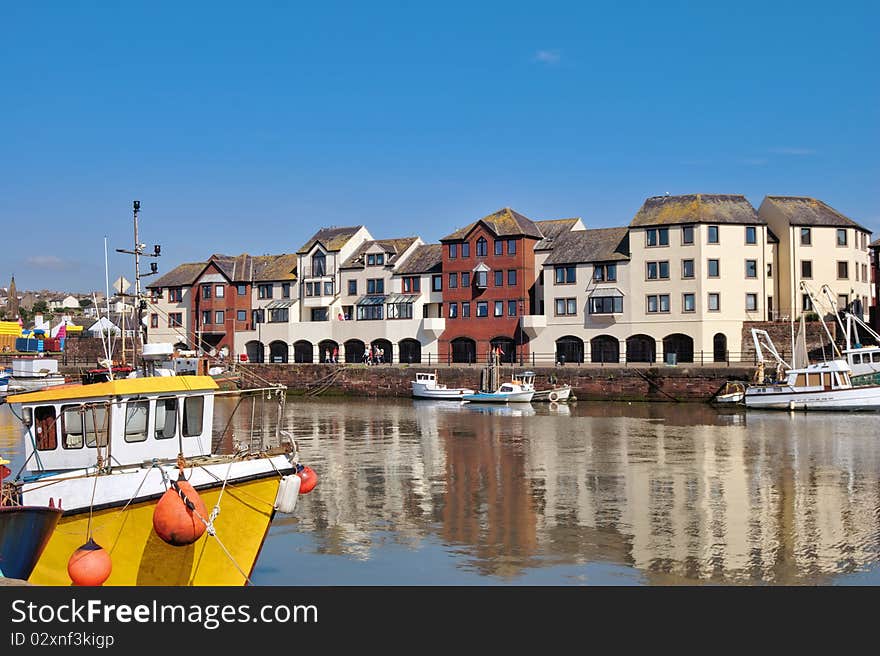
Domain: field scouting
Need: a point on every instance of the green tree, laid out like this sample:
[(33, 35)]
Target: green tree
[(85, 302)]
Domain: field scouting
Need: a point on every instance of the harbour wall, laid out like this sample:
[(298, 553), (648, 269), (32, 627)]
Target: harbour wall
[(596, 383)]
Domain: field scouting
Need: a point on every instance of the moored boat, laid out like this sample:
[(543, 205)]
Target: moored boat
[(426, 386), (555, 394), (506, 393)]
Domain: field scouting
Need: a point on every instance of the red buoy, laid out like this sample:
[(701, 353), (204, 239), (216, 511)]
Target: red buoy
[(308, 477), (174, 519), (89, 565)]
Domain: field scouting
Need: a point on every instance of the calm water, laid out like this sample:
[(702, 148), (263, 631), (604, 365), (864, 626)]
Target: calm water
[(431, 493)]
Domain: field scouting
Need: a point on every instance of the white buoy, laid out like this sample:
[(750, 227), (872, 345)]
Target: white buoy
[(288, 493)]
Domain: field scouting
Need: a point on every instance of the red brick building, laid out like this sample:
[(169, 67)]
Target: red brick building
[(488, 284)]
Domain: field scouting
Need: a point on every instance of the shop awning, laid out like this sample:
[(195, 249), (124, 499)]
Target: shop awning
[(371, 300), (274, 305), (400, 298)]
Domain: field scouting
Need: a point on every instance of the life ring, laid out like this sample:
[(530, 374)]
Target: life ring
[(553, 396)]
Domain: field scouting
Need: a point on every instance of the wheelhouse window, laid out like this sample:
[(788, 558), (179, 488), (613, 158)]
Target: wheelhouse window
[(91, 420), (45, 427), (71, 427), (193, 415), (136, 412), (166, 418)]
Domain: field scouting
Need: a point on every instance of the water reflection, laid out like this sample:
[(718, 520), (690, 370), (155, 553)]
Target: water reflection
[(434, 492)]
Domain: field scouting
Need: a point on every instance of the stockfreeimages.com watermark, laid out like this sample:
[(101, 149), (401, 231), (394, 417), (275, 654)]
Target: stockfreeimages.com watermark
[(208, 616)]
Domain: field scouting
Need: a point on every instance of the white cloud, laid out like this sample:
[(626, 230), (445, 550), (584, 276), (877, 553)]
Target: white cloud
[(787, 150), (51, 262), (547, 56)]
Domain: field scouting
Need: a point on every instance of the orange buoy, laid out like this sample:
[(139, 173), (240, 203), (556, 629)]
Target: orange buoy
[(174, 519), (89, 565), (308, 477)]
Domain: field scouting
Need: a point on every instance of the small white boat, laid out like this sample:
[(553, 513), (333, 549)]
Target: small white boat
[(555, 394), (425, 386), (733, 392), (507, 393), (30, 374)]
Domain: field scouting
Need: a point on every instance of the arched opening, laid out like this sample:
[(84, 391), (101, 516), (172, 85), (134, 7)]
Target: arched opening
[(277, 351), (354, 351), (410, 351), (464, 349), (604, 348), (303, 351), (680, 345), (641, 348), (255, 351), (508, 349), (719, 347), (569, 349), (382, 350), (326, 349)]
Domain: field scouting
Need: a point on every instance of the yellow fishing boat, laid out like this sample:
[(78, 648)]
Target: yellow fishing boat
[(119, 456)]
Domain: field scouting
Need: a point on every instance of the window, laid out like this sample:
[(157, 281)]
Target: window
[(511, 277), (453, 310), (241, 289), (453, 251), (166, 418), (511, 308), (658, 303), (175, 294), (319, 265), (657, 237), (481, 279), (411, 284), (352, 287), (806, 237), (712, 234), (466, 279), (465, 309), (841, 236), (658, 270), (71, 427), (453, 280), (687, 268), (751, 235), (687, 235), (219, 291), (499, 308), (465, 249), (264, 291), (380, 259), (566, 306), (371, 259), (843, 301), (806, 302), (241, 315), (482, 309), (370, 312), (206, 291), (769, 270), (606, 305), (437, 283), (865, 272), (565, 275), (714, 302), (328, 288), (219, 317), (605, 272), (285, 290), (806, 268), (482, 247), (376, 286), (175, 319), (258, 316), (399, 311), (499, 278), (688, 303), (193, 411), (206, 317), (319, 314), (751, 268), (511, 246), (278, 315), (751, 302), (843, 270), (713, 269), (136, 420), (499, 247), (154, 321)]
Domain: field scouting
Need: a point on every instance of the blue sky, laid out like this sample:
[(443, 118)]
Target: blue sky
[(244, 127)]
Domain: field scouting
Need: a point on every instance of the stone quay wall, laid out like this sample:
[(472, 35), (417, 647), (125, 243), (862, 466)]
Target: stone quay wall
[(599, 383)]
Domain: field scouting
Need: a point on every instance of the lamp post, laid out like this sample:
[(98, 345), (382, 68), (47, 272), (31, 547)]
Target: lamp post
[(521, 304)]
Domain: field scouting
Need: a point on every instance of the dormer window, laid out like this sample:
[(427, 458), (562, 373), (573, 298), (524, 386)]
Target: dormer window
[(319, 264), (380, 259)]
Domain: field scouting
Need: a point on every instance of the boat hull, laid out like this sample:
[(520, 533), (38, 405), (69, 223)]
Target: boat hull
[(849, 399), (561, 395), (451, 394), (140, 557), (499, 397), (24, 534)]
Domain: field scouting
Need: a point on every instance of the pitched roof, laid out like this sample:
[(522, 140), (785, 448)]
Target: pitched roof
[(806, 211), (248, 268), (332, 239), (875, 243), (503, 223), (392, 247), (598, 245), (552, 229), (179, 276), (427, 258), (696, 208)]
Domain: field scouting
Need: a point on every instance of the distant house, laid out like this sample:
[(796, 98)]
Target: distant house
[(103, 326), (63, 303)]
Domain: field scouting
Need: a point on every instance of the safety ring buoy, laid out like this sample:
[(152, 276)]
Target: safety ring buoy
[(553, 396)]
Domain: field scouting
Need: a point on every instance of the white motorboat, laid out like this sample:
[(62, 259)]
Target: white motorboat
[(819, 386), (555, 394), (506, 393), (30, 374), (733, 392), (426, 386)]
